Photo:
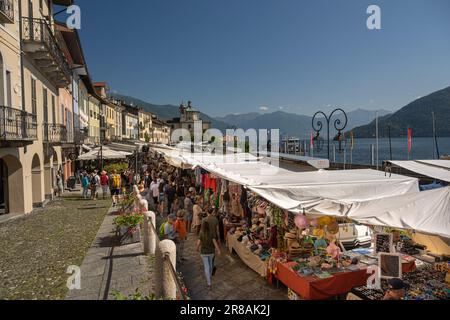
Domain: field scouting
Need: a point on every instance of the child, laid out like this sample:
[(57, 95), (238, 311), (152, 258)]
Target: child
[(180, 230)]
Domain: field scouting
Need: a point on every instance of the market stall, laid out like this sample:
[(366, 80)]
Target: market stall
[(252, 260), (426, 283), (287, 225)]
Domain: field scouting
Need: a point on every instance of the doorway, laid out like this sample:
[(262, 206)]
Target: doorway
[(3, 188)]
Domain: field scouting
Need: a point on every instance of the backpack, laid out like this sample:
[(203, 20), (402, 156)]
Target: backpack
[(161, 230), (115, 180)]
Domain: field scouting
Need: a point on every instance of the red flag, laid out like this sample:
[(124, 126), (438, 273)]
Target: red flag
[(311, 143), (409, 140)]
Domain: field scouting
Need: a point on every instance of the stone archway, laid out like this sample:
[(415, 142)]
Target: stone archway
[(13, 185), (36, 181)]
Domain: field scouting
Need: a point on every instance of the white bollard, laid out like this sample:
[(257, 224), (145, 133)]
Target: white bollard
[(166, 287), (149, 234)]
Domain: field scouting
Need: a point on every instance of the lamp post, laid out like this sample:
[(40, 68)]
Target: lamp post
[(339, 125)]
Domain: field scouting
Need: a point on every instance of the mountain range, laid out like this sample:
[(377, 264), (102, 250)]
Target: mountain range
[(294, 125), (417, 115)]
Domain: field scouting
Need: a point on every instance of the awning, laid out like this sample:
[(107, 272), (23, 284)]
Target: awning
[(105, 153), (295, 191), (436, 169), (426, 212)]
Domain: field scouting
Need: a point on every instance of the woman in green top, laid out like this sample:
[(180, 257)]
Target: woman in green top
[(207, 245)]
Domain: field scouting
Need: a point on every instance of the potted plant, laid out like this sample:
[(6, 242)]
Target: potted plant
[(128, 227)]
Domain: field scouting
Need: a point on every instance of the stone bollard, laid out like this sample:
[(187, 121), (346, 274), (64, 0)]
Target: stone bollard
[(166, 287), (149, 234)]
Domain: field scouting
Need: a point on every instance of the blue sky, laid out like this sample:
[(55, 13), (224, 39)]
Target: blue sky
[(236, 56)]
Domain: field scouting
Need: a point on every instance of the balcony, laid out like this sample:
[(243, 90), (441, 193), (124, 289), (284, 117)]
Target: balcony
[(6, 11), (17, 127), (55, 134), (40, 43)]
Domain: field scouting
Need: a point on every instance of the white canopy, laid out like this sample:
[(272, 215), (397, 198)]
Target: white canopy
[(437, 169), (296, 190), (366, 196), (106, 153), (437, 163), (427, 212)]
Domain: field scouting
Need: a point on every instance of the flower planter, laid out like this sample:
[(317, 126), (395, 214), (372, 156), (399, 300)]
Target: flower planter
[(127, 236)]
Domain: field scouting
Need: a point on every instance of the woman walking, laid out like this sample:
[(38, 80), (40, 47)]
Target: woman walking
[(207, 245)]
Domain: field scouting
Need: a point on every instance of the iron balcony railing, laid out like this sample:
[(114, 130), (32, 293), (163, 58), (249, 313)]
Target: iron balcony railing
[(55, 133), (7, 11), (17, 125), (39, 31)]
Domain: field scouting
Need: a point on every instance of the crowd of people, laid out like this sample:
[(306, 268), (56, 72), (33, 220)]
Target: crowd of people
[(185, 209), (182, 205)]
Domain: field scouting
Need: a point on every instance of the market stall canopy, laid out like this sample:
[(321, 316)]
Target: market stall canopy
[(295, 191), (317, 163), (105, 153), (436, 169), (332, 191), (427, 212)]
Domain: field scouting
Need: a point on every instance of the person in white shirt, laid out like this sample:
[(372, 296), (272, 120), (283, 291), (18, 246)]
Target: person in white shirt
[(154, 188)]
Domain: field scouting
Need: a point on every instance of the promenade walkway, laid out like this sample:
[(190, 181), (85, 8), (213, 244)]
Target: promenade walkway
[(233, 280)]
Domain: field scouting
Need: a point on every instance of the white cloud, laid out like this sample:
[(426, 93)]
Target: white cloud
[(263, 109)]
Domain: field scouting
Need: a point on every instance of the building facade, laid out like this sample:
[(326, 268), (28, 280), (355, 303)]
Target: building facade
[(189, 116), (33, 127), (145, 125)]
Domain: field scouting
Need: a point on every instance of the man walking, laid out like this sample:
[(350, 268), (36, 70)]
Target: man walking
[(104, 181), (154, 189), (213, 223), (85, 184), (95, 183)]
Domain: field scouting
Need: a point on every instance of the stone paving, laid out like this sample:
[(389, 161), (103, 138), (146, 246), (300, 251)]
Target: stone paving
[(233, 280), (37, 249), (110, 268)]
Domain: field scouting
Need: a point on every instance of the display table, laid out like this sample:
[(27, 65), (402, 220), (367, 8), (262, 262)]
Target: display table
[(227, 226), (249, 258), (313, 288)]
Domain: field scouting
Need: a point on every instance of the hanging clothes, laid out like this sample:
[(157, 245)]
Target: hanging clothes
[(198, 176)]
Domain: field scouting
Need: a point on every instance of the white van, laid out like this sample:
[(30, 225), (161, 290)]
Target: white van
[(354, 236)]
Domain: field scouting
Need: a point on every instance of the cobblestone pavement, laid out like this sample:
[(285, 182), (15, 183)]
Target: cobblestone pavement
[(233, 280), (37, 249), (109, 268)]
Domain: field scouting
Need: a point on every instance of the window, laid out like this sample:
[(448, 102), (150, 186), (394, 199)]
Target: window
[(33, 96), (8, 89), (53, 109), (62, 114), (45, 103)]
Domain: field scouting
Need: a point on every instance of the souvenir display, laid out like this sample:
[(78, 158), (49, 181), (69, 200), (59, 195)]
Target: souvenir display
[(425, 283), (383, 242)]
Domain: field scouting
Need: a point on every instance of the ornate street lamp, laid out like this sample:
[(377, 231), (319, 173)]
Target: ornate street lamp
[(339, 125)]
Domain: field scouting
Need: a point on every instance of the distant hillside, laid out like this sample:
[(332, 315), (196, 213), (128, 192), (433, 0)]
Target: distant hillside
[(416, 115), (168, 112), (293, 124)]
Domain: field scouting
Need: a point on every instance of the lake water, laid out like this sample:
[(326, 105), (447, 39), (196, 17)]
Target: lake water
[(422, 148)]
